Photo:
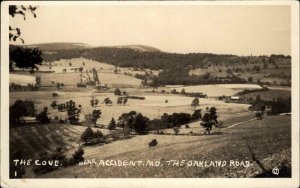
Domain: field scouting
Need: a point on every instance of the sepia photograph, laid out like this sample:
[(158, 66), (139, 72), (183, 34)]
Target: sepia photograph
[(195, 92)]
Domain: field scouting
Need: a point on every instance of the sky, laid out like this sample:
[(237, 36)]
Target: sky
[(222, 29)]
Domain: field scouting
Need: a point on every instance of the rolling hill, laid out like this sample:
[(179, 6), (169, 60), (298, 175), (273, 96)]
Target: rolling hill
[(58, 46), (180, 69)]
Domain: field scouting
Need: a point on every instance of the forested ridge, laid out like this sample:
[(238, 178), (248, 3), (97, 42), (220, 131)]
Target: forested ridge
[(174, 67)]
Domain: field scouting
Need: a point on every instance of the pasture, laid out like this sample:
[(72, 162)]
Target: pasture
[(153, 106), (270, 94), (266, 138), (22, 80)]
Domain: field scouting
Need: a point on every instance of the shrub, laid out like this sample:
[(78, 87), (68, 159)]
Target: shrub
[(112, 124), (197, 115), (117, 91), (87, 135), (107, 101), (220, 124), (77, 157), (187, 126), (115, 134), (20, 108), (259, 115), (153, 143), (98, 134), (209, 119), (43, 117), (54, 95), (176, 130), (54, 104), (95, 116), (73, 112)]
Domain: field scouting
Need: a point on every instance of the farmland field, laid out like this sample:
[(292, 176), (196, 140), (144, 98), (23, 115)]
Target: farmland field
[(153, 106), (264, 137), (21, 79)]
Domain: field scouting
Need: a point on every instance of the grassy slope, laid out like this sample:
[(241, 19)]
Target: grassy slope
[(34, 139), (265, 138), (269, 95)]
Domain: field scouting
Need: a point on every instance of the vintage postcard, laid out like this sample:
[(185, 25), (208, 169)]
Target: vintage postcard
[(150, 94)]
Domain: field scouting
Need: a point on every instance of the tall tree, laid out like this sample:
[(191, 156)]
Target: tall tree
[(209, 119), (96, 115), (24, 57), (21, 108), (140, 123), (112, 124), (195, 102), (73, 112)]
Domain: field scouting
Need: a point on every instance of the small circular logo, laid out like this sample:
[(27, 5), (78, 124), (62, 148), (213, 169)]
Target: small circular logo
[(275, 171)]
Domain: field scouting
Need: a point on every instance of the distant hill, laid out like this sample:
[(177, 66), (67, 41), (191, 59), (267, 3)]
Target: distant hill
[(58, 46), (141, 48), (70, 45)]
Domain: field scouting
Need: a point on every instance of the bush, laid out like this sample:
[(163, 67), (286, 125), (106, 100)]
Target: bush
[(112, 124), (54, 104), (209, 119), (120, 134), (259, 115), (95, 116), (134, 120), (117, 91), (115, 134), (43, 117), (77, 157), (20, 108), (98, 134), (90, 137), (176, 130), (153, 143), (196, 115), (87, 135), (187, 126), (73, 112), (54, 95)]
